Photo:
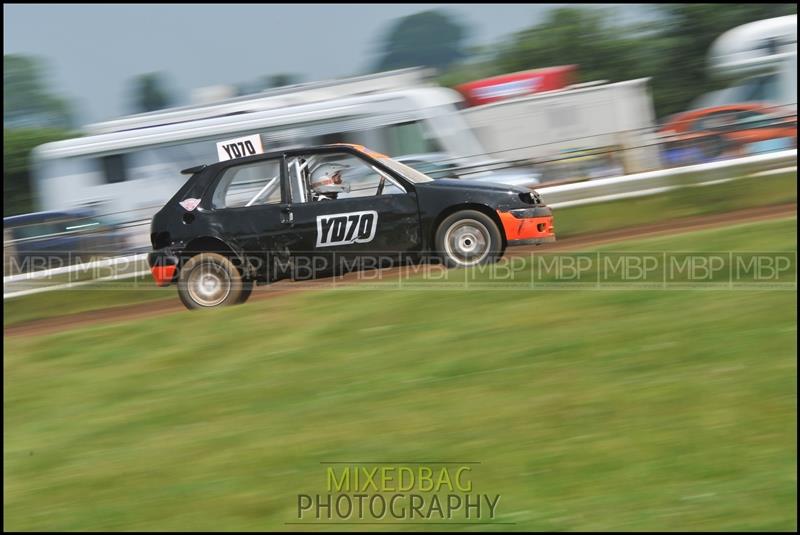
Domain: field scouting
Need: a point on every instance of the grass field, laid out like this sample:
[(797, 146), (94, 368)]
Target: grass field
[(588, 410), (684, 202)]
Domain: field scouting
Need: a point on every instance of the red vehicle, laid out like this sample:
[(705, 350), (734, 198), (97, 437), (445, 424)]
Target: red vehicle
[(517, 84), (731, 130)]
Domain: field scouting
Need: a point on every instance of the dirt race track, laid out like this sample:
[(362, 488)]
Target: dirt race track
[(122, 313)]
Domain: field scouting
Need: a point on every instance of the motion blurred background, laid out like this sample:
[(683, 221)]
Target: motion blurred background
[(512, 93), (625, 409)]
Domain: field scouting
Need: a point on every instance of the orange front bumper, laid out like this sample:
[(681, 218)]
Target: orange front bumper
[(527, 229)]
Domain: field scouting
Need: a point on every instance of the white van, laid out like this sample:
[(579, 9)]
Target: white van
[(761, 57)]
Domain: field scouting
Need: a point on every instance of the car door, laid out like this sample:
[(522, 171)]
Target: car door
[(369, 226), (249, 212)]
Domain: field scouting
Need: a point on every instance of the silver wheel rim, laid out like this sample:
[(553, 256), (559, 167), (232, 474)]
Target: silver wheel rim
[(209, 284), (466, 242)]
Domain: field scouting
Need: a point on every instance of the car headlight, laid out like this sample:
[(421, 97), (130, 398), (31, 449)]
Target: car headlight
[(531, 197)]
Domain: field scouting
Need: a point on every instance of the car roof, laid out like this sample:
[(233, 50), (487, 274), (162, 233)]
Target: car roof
[(682, 119), (695, 114), (349, 147)]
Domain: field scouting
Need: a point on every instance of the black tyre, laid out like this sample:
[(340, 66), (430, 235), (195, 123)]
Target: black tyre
[(468, 238), (247, 289), (209, 280)]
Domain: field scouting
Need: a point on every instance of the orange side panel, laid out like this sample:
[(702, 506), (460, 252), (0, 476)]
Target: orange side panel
[(163, 274), (527, 228)]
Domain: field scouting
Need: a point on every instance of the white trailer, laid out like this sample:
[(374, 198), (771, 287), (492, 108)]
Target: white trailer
[(131, 166), (611, 123)]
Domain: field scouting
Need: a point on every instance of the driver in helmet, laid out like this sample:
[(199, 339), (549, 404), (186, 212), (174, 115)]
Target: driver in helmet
[(326, 181)]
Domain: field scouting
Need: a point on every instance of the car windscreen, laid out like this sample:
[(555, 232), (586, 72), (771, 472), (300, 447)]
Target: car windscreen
[(408, 172), (433, 169)]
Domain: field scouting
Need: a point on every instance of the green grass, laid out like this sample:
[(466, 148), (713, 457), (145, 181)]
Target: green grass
[(588, 410), (686, 202), (82, 299)]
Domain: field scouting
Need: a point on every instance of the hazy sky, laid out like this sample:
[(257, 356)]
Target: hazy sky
[(94, 50)]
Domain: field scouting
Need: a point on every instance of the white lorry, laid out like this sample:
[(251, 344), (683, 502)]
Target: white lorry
[(583, 131)]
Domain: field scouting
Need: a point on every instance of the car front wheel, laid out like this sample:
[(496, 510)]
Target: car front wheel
[(210, 280), (468, 238)]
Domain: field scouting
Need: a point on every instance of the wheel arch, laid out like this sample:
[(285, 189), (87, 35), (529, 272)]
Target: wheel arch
[(212, 244)]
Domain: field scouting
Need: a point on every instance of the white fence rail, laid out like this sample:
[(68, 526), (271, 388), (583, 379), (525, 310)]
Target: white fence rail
[(560, 196), (76, 268), (652, 182), (31, 291)]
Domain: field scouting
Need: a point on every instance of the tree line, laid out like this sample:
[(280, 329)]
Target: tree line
[(672, 48)]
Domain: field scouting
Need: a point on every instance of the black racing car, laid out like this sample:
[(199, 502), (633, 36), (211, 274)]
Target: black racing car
[(306, 213)]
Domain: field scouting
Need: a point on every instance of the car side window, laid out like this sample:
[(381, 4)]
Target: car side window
[(754, 119), (337, 176), (714, 120), (253, 184)]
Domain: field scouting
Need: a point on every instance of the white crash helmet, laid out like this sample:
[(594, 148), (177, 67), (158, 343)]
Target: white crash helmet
[(327, 177)]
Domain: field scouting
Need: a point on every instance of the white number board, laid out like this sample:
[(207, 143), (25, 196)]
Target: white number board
[(239, 147)]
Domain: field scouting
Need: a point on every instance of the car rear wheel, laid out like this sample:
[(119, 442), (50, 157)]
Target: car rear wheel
[(209, 280), (247, 289), (468, 238)]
